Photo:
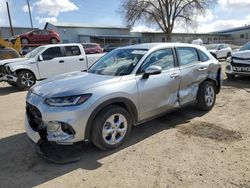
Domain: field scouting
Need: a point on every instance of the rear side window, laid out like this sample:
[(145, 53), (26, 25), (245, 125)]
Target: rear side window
[(52, 53), (72, 50), (163, 58), (187, 55), (203, 56)]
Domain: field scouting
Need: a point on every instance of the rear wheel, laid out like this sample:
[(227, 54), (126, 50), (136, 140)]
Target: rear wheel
[(206, 96), (111, 127), (25, 79)]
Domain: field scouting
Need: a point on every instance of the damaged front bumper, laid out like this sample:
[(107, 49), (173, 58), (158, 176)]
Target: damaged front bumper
[(64, 126), (50, 132), (8, 78)]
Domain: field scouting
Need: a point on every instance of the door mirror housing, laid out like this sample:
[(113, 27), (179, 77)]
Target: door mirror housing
[(152, 70), (40, 58)]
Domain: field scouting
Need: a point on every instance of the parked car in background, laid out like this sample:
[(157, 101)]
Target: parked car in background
[(239, 63), (126, 87), (27, 49), (92, 48), (219, 50), (109, 48), (43, 62), (40, 36), (197, 42)]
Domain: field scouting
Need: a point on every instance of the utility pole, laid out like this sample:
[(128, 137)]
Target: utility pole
[(11, 28), (31, 23)]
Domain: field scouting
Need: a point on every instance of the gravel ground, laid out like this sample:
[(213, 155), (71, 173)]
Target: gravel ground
[(187, 148)]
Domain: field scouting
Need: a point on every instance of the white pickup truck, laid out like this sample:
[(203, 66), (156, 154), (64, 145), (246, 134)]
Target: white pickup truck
[(45, 61)]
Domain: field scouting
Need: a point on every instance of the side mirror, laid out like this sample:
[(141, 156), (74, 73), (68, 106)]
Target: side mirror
[(219, 48), (40, 58), (152, 70)]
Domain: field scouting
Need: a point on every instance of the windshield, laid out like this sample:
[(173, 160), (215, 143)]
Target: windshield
[(211, 47), (34, 52), (245, 47), (119, 62)]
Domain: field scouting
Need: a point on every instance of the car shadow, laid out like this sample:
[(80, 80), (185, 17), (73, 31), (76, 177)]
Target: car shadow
[(6, 89), (19, 162), (238, 82)]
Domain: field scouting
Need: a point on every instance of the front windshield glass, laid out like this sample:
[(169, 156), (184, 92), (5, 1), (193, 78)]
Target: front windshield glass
[(118, 62), (34, 52), (245, 47), (211, 47)]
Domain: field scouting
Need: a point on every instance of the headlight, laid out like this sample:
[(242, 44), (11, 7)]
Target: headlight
[(68, 101), (229, 59), (7, 69)]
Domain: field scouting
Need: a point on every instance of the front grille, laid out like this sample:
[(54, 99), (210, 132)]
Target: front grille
[(239, 64), (34, 116)]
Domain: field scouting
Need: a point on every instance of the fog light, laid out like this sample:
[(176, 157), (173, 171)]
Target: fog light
[(67, 128)]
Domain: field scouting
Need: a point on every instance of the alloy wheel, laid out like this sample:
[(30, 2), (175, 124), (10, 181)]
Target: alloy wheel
[(209, 95), (114, 129), (27, 79)]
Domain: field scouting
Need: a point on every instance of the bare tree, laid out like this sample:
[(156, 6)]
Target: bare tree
[(165, 13)]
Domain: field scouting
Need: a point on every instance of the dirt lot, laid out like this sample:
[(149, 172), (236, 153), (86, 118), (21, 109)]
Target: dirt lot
[(187, 148)]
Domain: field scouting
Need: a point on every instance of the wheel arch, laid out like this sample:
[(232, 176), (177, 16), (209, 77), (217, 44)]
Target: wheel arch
[(216, 81), (24, 69), (24, 37), (123, 102)]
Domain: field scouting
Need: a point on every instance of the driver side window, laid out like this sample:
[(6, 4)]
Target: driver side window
[(163, 58), (52, 53)]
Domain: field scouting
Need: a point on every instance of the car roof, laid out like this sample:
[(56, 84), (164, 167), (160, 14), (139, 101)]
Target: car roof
[(149, 46)]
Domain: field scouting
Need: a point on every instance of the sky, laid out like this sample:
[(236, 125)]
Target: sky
[(225, 14)]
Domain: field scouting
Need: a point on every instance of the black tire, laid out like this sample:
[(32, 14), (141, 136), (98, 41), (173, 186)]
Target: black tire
[(25, 40), (53, 41), (22, 79), (230, 77), (99, 123), (14, 84), (203, 103)]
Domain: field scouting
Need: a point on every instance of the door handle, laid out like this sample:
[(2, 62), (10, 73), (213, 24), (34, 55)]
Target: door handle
[(61, 61), (202, 69), (174, 75), (81, 59)]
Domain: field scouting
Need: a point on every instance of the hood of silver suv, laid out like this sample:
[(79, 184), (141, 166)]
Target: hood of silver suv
[(71, 84)]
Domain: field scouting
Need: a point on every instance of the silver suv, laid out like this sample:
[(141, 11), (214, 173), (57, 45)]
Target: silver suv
[(126, 87)]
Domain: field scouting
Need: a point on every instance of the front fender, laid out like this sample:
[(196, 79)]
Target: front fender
[(30, 67)]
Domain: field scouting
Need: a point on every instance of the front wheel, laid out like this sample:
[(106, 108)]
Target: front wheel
[(111, 127), (53, 41), (206, 96), (25, 79), (25, 41)]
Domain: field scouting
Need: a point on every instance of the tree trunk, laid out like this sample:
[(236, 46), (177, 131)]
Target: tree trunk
[(168, 37)]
